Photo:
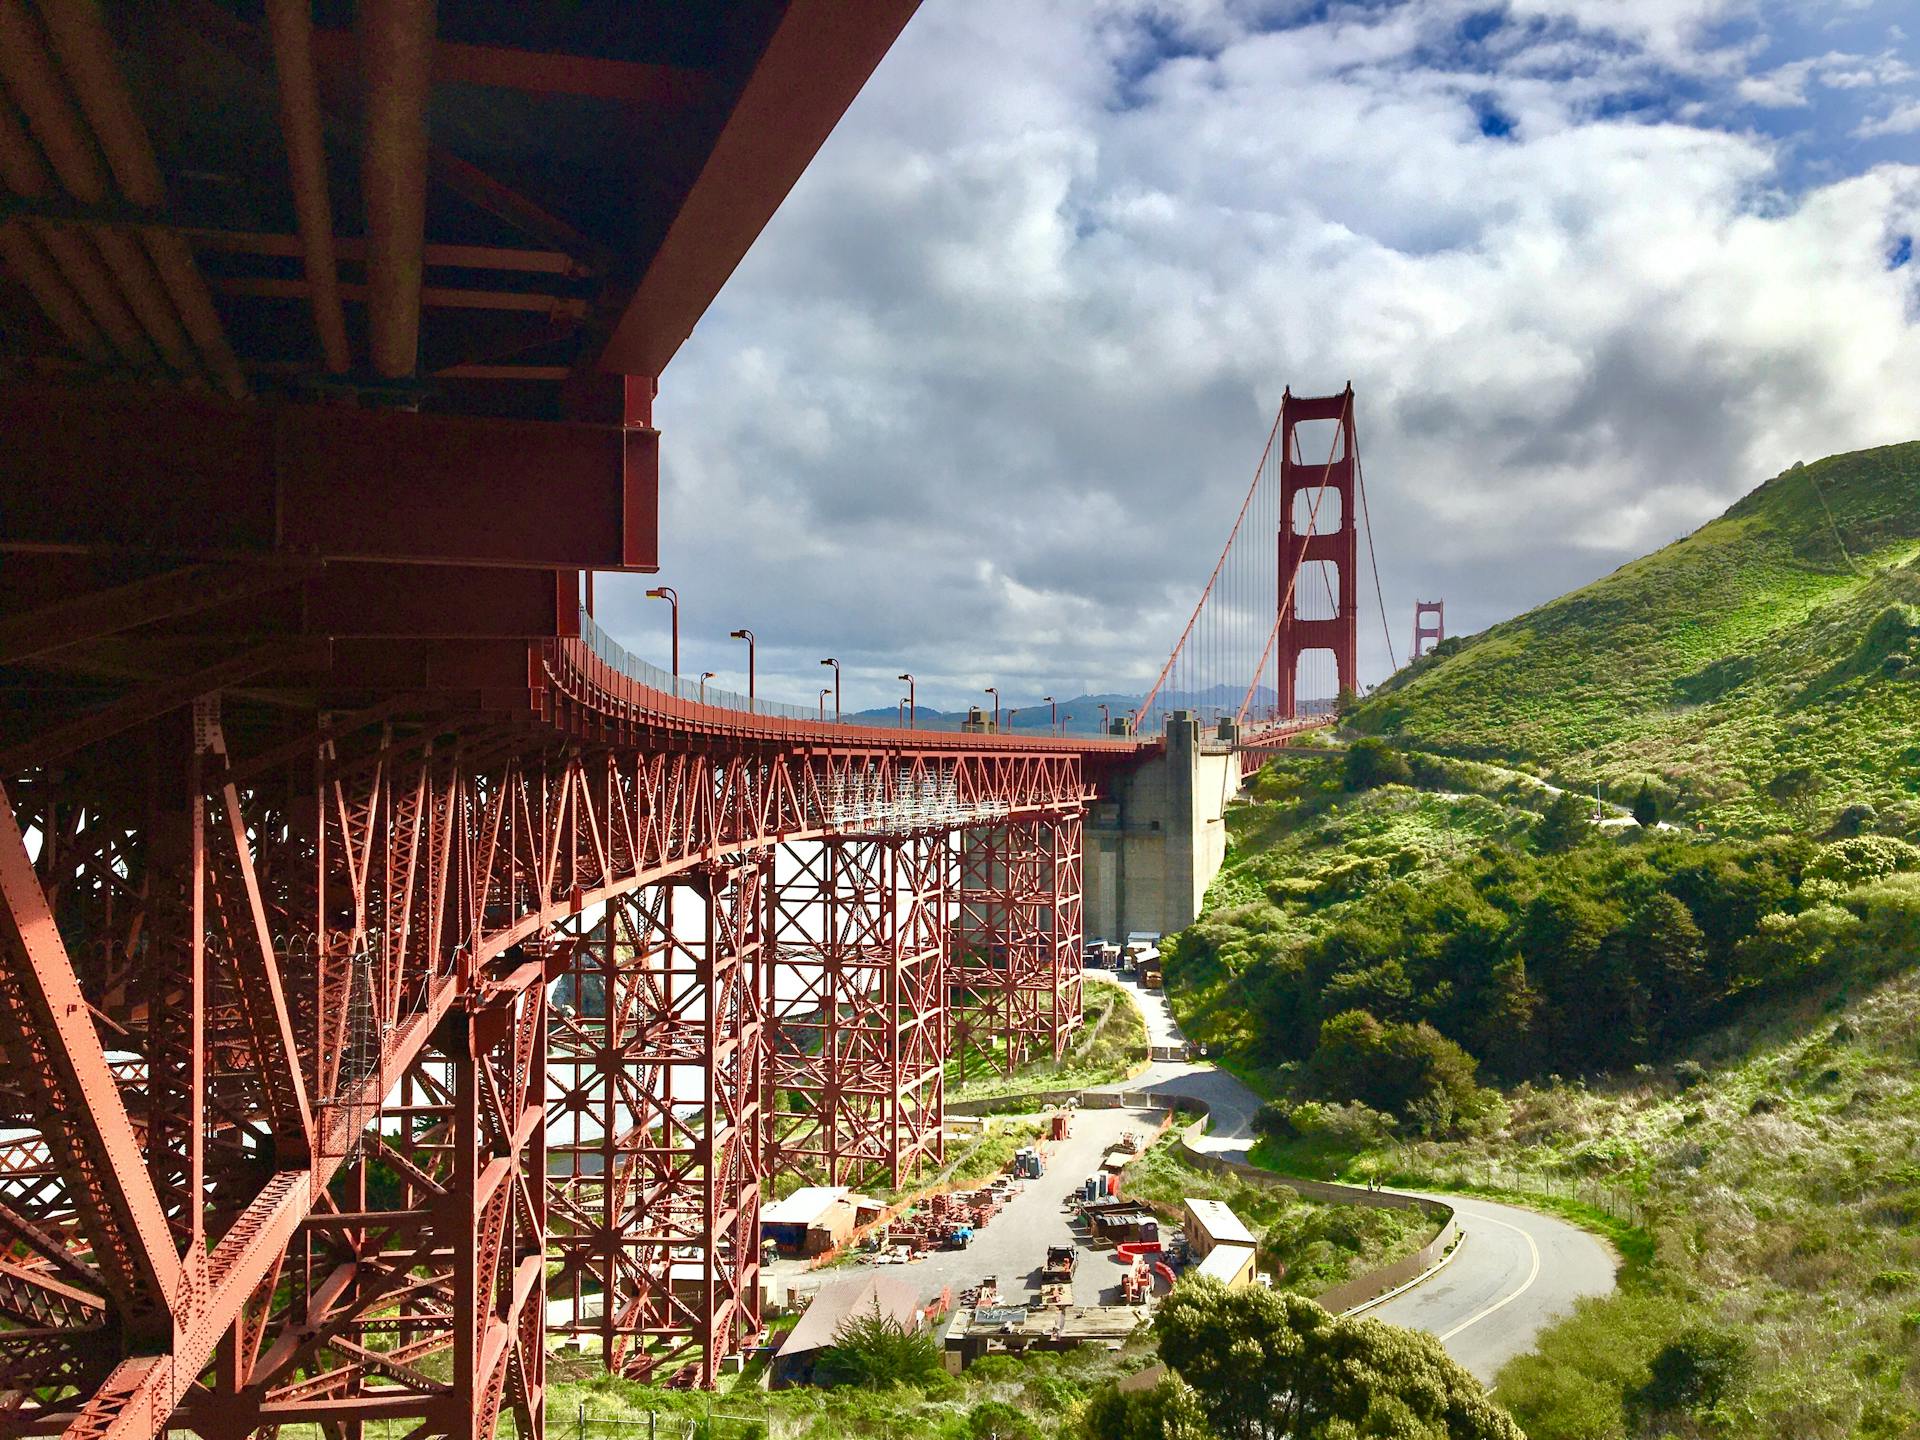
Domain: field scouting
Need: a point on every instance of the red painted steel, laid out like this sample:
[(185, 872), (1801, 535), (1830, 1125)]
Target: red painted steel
[(857, 1005), (1337, 547), (658, 1128), (1429, 625), (92, 471), (279, 963), (1017, 940)]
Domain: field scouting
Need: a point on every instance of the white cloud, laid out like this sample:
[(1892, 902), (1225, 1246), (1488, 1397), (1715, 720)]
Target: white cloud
[(982, 401), (1784, 88), (1903, 119)]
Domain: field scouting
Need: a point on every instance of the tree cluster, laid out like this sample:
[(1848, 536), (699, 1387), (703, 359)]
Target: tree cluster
[(1567, 958), (1256, 1364)]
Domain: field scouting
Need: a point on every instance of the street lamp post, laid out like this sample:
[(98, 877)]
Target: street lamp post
[(836, 687), (1053, 714), (1106, 720), (1013, 715), (912, 710), (747, 635), (994, 691), (823, 706), (900, 713), (705, 675), (672, 597)]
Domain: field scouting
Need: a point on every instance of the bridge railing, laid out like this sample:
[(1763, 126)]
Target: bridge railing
[(613, 653)]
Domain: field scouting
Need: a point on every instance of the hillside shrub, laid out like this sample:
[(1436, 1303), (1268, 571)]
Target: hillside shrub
[(1372, 762), (1699, 1368)]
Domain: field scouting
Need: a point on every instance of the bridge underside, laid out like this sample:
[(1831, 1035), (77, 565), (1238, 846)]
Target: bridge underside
[(368, 945)]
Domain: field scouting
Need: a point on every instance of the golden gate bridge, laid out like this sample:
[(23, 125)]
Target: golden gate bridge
[(321, 783)]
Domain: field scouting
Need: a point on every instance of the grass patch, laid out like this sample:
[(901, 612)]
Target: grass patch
[(1110, 1046), (1050, 1389)]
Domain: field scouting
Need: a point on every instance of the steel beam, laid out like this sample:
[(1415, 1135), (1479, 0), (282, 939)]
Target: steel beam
[(857, 1006), (103, 470), (810, 72)]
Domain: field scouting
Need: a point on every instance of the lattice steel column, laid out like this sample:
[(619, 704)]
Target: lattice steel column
[(656, 1126), (1016, 941), (857, 990)]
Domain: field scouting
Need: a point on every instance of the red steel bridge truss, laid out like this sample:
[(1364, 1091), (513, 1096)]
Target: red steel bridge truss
[(369, 945), (295, 1125)]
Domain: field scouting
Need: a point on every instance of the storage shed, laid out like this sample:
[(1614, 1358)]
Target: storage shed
[(810, 1221), (1211, 1223), (1231, 1265)]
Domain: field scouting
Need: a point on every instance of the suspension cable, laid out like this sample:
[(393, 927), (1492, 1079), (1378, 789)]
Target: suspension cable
[(1373, 562), (1146, 705), (1313, 522)]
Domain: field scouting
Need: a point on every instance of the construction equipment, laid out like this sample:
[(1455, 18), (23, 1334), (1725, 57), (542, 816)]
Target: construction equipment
[(1059, 1266)]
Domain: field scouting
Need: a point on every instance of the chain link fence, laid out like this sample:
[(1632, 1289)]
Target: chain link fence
[(1617, 1201)]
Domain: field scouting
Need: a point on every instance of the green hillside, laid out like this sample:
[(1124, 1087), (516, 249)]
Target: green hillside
[(1762, 672)]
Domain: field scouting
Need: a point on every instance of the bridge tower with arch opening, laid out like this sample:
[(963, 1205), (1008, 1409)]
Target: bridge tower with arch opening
[(1308, 535)]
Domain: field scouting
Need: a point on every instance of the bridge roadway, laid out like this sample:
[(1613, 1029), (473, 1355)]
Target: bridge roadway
[(1516, 1272)]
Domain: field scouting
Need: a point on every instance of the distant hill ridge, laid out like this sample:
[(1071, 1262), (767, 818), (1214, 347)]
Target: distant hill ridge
[(1762, 672), (1085, 709)]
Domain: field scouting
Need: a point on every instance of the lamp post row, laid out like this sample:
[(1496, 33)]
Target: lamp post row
[(909, 706)]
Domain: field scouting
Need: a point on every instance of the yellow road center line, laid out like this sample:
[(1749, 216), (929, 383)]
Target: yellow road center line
[(1505, 1300)]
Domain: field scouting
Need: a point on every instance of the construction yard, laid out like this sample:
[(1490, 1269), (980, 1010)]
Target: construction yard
[(1013, 1244)]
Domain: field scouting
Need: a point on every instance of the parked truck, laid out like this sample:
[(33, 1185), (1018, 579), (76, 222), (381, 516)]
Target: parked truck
[(1059, 1267)]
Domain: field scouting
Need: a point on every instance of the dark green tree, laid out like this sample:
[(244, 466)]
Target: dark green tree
[(1372, 762), (874, 1350), (1505, 1033), (1646, 809), (1667, 954), (1267, 1365), (997, 1420), (1168, 1411), (1412, 1071), (1564, 825), (1699, 1368)]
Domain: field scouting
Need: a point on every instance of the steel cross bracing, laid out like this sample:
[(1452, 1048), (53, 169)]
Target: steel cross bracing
[(276, 1083), (1014, 983), (857, 995), (657, 1129)]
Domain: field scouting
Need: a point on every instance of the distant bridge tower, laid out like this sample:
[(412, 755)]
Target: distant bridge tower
[(1429, 625), (1329, 538)]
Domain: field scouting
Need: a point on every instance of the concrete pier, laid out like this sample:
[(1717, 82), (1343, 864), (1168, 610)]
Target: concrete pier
[(1154, 844)]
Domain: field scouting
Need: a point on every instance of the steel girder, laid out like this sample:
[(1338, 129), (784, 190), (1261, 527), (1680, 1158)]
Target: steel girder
[(236, 983), (1015, 974), (857, 997), (657, 1129)]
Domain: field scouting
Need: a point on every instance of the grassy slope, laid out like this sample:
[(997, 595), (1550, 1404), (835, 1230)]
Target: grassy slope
[(1110, 1045), (1782, 1193), (1715, 665)]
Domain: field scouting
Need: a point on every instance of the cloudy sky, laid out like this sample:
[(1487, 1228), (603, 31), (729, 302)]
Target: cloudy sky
[(984, 397)]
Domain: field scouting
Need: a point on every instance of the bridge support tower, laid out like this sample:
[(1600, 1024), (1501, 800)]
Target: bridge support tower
[(656, 1125), (1017, 941), (1429, 625), (1334, 541), (857, 1006)]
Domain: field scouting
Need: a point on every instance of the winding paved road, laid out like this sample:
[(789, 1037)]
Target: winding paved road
[(1516, 1272)]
